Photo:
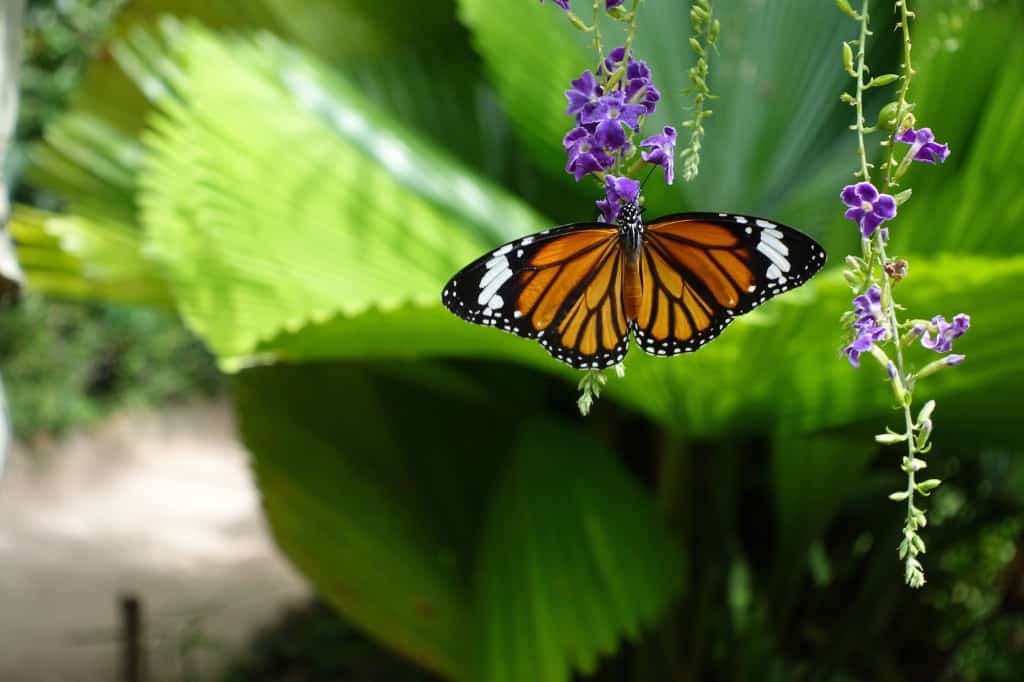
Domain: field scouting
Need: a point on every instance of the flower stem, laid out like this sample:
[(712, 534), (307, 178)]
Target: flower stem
[(597, 32), (864, 33), (630, 34), (891, 179)]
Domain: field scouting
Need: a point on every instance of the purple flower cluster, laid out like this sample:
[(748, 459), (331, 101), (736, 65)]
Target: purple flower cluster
[(923, 146), (609, 107), (944, 332), (867, 207), (867, 309)]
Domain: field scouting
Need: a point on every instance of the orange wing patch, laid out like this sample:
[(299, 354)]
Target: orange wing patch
[(569, 247), (705, 234), (570, 275)]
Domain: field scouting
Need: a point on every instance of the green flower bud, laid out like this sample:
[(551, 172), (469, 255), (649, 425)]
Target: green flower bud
[(882, 81), (619, 12), (889, 438), (844, 7), (902, 197), (951, 360), (848, 59), (926, 412), (887, 117)]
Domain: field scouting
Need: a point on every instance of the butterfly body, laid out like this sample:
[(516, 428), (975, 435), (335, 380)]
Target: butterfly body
[(674, 284), (631, 238)]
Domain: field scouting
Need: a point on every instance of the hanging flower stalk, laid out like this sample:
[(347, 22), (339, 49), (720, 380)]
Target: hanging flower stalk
[(873, 326)]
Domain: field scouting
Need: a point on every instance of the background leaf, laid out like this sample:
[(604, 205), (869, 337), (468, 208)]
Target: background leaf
[(575, 557)]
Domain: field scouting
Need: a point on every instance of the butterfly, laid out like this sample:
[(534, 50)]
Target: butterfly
[(673, 284)]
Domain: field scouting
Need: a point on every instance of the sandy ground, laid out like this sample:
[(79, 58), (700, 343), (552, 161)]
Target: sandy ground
[(158, 505)]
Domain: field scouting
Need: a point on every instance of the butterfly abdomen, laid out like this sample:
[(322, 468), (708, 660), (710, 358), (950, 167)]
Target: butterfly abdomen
[(632, 290)]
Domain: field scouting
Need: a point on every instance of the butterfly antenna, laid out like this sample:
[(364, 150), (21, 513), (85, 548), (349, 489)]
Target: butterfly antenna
[(647, 177)]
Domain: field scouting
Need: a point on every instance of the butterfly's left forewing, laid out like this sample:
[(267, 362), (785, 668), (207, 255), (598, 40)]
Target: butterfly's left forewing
[(562, 287), (699, 271)]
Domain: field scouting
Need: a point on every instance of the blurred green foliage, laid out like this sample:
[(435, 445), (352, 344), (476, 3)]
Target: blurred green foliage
[(299, 181), (68, 363)]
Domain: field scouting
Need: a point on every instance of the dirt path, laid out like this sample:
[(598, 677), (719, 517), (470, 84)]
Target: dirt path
[(161, 506)]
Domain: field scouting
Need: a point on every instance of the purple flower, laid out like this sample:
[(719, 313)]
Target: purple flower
[(662, 151), (637, 84), (868, 208), (584, 94), (868, 306), (617, 191), (564, 4), (923, 146), (945, 332), (609, 114), (612, 4), (867, 309), (641, 91), (585, 155)]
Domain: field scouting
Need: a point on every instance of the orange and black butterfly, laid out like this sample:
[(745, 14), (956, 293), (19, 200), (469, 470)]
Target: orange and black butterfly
[(674, 283)]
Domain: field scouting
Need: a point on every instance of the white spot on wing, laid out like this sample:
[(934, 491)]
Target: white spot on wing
[(774, 242), (495, 267), (779, 262), (763, 223), (503, 250), (491, 289)]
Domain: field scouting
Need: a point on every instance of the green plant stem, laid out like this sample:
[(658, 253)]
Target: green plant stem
[(598, 47), (890, 311), (864, 33), (630, 33), (891, 179)]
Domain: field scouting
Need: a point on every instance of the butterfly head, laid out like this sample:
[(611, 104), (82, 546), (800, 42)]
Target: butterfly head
[(629, 214)]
